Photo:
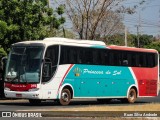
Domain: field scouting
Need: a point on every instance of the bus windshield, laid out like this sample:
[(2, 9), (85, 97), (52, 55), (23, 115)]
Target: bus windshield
[(24, 65)]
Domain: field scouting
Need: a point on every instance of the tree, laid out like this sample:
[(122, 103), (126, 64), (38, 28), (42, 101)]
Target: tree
[(92, 18), (154, 45), (22, 20), (143, 40), (68, 34), (3, 29), (115, 39), (2, 53)]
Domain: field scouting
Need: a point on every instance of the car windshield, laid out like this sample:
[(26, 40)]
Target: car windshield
[(24, 65)]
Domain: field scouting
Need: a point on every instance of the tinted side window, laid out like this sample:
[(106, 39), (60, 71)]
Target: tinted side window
[(80, 55), (117, 58), (134, 62), (51, 56), (152, 59), (71, 55), (99, 57), (142, 60), (64, 59), (94, 56), (114, 57), (88, 56), (125, 59), (106, 57)]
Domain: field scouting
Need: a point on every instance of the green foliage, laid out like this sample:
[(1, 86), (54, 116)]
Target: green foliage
[(60, 9), (143, 40), (116, 39), (154, 45), (22, 20), (2, 53), (3, 29), (66, 33)]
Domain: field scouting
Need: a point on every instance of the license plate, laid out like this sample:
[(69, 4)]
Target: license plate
[(18, 95)]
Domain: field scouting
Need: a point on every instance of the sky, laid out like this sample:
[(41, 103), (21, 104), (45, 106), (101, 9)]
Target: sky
[(147, 16)]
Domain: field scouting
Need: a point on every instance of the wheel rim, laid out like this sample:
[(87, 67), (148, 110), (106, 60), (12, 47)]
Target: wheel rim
[(131, 96), (65, 97)]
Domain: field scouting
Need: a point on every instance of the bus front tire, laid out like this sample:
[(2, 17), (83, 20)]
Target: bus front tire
[(65, 97)]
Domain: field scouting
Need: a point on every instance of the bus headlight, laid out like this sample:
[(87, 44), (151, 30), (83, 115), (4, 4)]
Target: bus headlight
[(6, 88), (34, 89)]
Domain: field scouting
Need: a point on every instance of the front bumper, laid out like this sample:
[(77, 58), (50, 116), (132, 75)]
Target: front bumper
[(25, 95)]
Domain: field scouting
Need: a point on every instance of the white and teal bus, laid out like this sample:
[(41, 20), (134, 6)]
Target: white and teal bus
[(62, 69)]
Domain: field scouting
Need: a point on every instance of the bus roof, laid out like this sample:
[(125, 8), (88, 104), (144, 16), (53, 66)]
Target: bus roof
[(65, 41), (87, 43), (115, 47)]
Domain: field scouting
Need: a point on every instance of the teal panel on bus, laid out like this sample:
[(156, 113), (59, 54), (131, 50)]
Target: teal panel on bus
[(98, 46), (99, 81)]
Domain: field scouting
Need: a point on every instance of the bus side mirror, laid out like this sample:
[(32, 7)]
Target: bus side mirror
[(4, 62), (47, 69)]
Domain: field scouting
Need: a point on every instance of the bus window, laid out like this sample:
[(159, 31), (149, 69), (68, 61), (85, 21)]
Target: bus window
[(151, 60), (97, 57), (124, 59), (105, 57), (88, 56), (79, 56), (134, 60), (72, 56), (111, 57), (64, 59), (51, 57), (102, 56), (115, 59), (142, 60)]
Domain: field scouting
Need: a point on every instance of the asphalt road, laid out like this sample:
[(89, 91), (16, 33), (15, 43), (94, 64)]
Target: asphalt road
[(23, 105)]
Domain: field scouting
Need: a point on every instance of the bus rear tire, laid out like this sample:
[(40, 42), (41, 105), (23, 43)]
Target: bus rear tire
[(65, 97), (132, 95), (34, 101)]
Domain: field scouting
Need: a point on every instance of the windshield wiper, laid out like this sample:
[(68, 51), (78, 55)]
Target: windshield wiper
[(24, 67), (25, 80), (14, 79)]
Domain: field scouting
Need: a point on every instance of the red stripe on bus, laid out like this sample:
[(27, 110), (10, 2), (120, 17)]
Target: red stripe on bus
[(147, 80), (64, 77), (20, 87)]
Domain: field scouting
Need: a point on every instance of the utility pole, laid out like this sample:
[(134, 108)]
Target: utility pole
[(138, 27), (48, 3), (125, 36), (159, 21), (138, 36), (64, 32)]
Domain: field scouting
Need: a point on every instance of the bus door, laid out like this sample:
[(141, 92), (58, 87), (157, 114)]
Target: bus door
[(49, 69)]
